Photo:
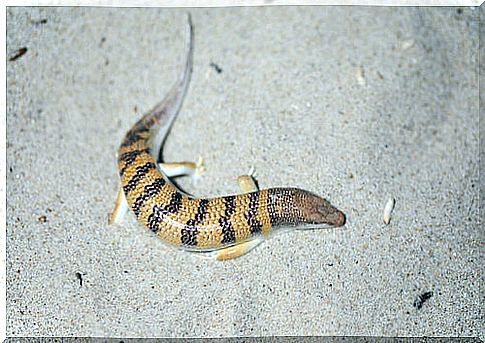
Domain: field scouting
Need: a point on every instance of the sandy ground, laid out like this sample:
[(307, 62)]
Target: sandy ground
[(358, 104)]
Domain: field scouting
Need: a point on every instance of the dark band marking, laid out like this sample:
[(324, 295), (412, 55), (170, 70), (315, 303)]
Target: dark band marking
[(141, 171), (229, 235), (190, 231), (175, 203), (160, 212), (189, 236), (156, 217), (274, 218), (149, 191), (131, 137), (252, 215), (201, 212), (130, 157)]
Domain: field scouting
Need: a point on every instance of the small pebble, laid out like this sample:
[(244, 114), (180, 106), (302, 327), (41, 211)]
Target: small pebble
[(388, 210), (407, 44), (359, 74)]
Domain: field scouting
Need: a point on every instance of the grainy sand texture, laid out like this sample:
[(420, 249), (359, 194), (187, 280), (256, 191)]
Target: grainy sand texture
[(358, 104)]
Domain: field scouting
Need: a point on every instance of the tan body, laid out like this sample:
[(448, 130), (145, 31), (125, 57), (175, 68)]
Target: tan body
[(227, 226)]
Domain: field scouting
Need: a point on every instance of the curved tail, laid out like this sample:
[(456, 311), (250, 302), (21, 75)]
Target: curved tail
[(160, 119)]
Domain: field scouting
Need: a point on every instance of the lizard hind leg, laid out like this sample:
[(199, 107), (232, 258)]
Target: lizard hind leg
[(120, 209), (237, 250), (227, 253), (192, 169), (247, 182)]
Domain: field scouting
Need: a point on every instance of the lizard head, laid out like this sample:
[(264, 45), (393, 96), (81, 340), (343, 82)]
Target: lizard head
[(319, 213), (301, 209)]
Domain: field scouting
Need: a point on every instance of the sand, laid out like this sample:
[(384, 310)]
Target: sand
[(358, 104)]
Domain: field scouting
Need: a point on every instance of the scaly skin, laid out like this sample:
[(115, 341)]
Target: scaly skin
[(205, 224)]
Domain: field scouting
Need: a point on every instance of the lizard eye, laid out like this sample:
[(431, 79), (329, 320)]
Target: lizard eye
[(331, 215)]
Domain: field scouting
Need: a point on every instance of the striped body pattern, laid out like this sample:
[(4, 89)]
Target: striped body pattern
[(201, 223), (204, 224)]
